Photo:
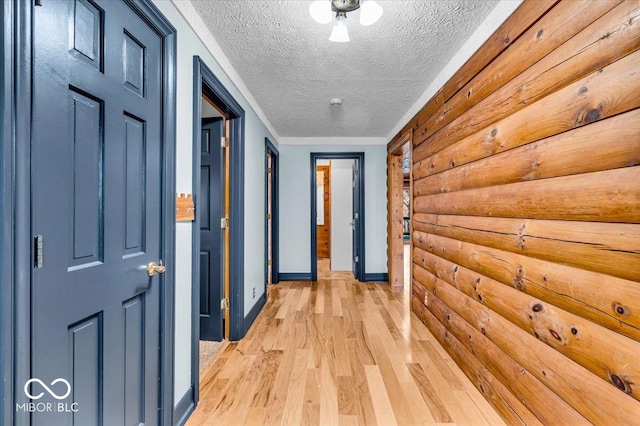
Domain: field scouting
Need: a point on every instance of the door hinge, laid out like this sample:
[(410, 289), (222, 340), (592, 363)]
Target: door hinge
[(224, 142), (38, 258), (269, 216), (357, 259), (37, 2), (268, 169), (224, 222), (224, 304), (269, 262)]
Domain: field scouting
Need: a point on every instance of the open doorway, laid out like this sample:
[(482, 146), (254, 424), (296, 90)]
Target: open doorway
[(212, 251), (399, 194), (337, 215), (271, 237), (218, 231), (334, 218)]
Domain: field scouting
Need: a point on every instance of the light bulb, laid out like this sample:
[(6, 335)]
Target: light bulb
[(370, 12), (340, 33), (320, 11)]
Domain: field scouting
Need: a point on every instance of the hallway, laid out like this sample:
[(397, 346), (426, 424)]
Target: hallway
[(338, 352)]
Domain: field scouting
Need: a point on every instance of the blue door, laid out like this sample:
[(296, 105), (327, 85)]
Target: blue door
[(355, 232), (211, 203), (96, 212)]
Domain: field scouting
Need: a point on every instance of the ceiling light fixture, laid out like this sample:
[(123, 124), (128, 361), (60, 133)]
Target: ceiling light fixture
[(322, 11)]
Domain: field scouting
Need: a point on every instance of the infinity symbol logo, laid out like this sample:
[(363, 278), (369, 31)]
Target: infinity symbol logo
[(52, 393)]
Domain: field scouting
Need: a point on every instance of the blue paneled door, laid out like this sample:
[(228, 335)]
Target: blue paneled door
[(96, 202), (355, 224), (211, 209)]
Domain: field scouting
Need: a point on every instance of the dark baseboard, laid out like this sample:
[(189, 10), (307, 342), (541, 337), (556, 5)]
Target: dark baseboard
[(184, 409), (253, 313), (379, 277), (294, 276)]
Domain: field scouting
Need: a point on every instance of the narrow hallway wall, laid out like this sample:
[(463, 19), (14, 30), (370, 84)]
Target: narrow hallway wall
[(189, 44)]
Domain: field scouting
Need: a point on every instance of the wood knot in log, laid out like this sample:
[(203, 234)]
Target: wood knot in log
[(518, 283), (555, 335), (592, 115), (621, 310), (620, 383)]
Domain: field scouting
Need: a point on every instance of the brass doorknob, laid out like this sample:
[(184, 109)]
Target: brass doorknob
[(153, 269)]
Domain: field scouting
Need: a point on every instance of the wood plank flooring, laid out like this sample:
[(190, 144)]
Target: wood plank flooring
[(338, 352)]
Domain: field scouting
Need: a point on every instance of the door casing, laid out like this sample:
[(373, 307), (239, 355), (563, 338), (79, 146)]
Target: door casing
[(205, 82), (395, 186), (15, 179), (271, 150), (359, 157)]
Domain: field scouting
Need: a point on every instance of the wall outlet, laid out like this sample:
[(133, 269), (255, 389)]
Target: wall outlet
[(254, 292)]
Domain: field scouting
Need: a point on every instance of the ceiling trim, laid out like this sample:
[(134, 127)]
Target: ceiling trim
[(492, 22), (334, 141), (196, 23)]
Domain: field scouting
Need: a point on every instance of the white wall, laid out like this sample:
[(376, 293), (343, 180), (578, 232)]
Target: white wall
[(255, 131), (341, 214), (295, 205)]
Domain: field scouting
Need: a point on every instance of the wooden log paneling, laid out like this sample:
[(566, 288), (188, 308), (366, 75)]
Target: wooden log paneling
[(527, 51), (570, 334), (527, 14), (505, 36), (510, 407), (603, 94), (541, 400), (609, 301), (615, 140), (549, 74), (526, 214), (592, 397), (612, 196), (613, 249)]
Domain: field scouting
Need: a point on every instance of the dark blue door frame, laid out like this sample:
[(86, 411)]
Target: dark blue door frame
[(359, 157), (272, 151), (15, 230), (205, 82), (15, 210)]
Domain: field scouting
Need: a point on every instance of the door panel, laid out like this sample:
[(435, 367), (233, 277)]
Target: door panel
[(355, 233), (269, 202), (96, 173), (211, 236)]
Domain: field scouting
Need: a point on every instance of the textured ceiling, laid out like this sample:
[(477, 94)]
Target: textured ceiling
[(292, 70)]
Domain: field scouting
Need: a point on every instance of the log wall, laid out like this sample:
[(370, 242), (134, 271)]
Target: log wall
[(526, 226)]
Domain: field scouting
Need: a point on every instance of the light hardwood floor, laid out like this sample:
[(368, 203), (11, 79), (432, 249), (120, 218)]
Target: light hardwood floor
[(338, 352)]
